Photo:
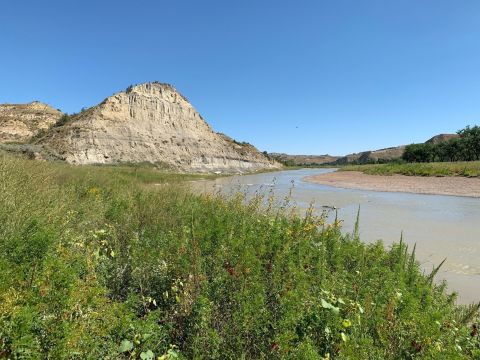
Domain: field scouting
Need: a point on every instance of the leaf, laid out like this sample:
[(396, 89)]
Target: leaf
[(172, 353), (340, 301), (125, 346), (346, 323), (344, 337), (327, 305), (149, 355)]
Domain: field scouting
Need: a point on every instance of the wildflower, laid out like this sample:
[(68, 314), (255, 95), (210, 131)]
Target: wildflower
[(94, 190)]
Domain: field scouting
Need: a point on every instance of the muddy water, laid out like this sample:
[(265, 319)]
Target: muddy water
[(441, 226)]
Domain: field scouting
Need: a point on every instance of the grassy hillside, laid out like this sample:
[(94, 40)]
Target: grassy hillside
[(461, 168), (98, 263)]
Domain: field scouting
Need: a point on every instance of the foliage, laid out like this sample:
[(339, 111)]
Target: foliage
[(99, 263), (461, 168), (464, 148), (64, 119)]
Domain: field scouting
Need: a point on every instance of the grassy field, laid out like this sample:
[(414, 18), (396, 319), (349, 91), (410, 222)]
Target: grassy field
[(97, 263), (462, 168)]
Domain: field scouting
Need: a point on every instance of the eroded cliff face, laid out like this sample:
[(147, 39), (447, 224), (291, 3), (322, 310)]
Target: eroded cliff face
[(151, 123), (21, 122)]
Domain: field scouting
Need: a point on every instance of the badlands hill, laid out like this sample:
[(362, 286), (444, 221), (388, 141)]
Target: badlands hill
[(148, 123), (19, 123), (374, 156), (303, 160), (437, 139), (387, 154)]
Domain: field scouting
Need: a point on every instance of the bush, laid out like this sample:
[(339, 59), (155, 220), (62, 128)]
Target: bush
[(94, 263), (464, 148), (64, 119)]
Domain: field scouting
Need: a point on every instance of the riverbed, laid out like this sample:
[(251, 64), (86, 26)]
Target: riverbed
[(440, 226)]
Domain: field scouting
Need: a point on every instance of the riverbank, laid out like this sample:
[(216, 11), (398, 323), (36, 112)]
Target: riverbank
[(96, 264), (455, 186), (458, 168)]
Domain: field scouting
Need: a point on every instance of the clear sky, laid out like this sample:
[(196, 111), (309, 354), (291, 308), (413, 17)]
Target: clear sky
[(302, 77)]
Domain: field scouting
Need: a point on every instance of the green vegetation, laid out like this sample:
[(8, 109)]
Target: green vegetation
[(98, 263), (464, 148), (462, 168), (64, 119)]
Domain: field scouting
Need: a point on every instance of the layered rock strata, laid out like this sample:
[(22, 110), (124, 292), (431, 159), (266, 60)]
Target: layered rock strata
[(151, 123)]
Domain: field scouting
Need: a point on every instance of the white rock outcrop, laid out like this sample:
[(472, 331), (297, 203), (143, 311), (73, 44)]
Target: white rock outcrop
[(20, 122), (151, 123)]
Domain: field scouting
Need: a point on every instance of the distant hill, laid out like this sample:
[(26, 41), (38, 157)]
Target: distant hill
[(387, 154), (437, 139), (373, 156), (303, 160)]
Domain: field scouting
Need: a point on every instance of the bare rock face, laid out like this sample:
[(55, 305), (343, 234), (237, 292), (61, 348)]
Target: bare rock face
[(20, 122), (150, 123)]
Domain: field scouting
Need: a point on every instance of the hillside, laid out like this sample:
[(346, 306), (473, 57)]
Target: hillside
[(148, 123), (381, 155), (437, 139), (386, 155), (19, 123), (303, 160)]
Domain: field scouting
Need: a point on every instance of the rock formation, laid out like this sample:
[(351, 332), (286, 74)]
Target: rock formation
[(19, 123), (150, 123)]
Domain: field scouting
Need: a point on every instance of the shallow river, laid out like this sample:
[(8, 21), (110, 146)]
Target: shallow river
[(441, 226)]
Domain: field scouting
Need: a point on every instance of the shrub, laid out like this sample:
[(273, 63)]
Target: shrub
[(94, 263), (64, 119)]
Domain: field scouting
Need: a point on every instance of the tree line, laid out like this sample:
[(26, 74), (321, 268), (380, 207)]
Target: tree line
[(465, 147)]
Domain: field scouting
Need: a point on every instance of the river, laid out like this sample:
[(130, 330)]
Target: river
[(440, 226)]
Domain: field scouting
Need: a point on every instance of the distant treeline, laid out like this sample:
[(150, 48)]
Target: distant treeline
[(465, 147)]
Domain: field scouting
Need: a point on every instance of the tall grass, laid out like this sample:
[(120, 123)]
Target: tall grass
[(461, 168), (94, 264)]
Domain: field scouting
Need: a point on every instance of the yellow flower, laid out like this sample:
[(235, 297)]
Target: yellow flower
[(94, 190)]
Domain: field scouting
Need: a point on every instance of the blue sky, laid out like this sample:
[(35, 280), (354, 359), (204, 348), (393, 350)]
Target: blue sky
[(305, 77)]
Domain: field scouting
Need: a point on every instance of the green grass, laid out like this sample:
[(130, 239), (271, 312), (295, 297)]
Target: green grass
[(461, 168), (96, 263)]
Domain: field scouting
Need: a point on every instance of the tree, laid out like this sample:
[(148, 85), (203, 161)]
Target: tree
[(419, 153), (466, 147), (470, 138)]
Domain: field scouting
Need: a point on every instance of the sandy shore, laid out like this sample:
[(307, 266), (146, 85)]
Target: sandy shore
[(456, 186)]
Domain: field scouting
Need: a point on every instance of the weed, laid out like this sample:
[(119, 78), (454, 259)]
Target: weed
[(97, 262)]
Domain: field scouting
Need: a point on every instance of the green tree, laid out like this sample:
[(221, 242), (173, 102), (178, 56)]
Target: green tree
[(419, 153), (470, 139)]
